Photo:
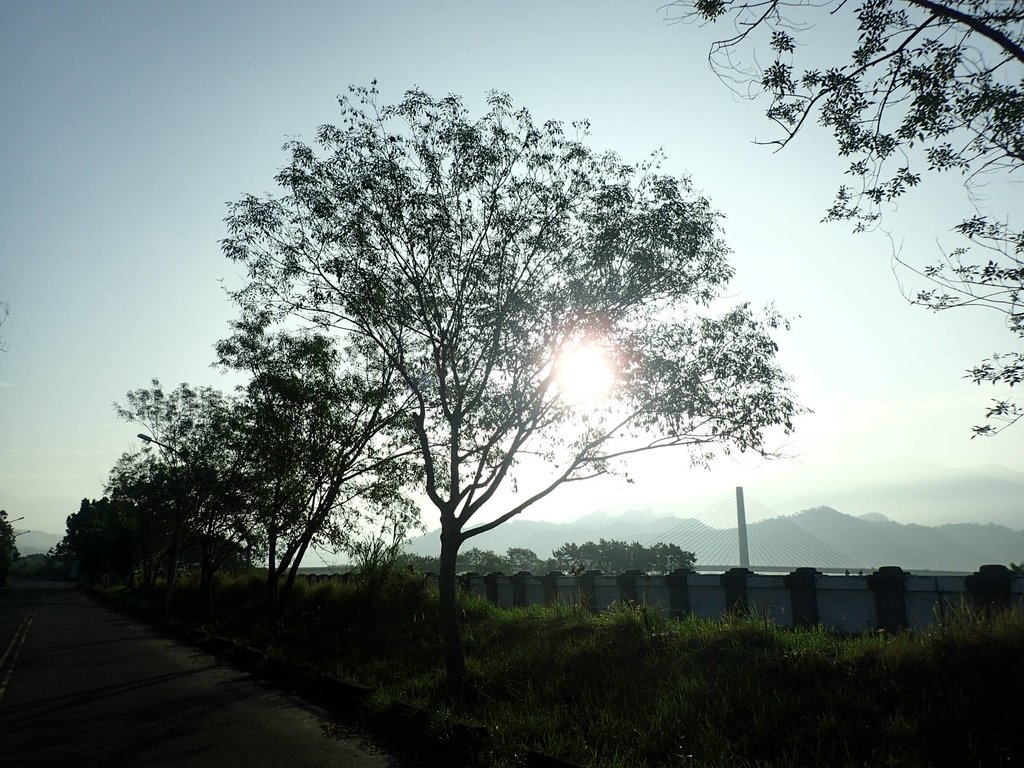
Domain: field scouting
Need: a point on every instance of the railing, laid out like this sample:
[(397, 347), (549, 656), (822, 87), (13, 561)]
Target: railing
[(888, 598)]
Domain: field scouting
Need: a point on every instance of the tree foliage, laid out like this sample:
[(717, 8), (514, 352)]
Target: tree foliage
[(8, 549), (921, 86), (477, 560), (195, 432), (612, 556), (606, 555), (472, 255), (301, 456), (146, 488), (101, 535), (321, 469)]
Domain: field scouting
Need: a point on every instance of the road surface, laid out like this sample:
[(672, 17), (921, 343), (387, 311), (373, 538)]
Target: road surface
[(81, 685)]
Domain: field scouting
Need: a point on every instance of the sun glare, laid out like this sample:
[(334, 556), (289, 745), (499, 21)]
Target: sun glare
[(585, 374)]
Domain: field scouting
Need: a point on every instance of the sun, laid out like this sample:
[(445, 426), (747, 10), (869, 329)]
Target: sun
[(584, 374)]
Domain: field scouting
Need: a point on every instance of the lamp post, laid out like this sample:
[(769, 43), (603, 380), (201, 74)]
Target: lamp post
[(150, 439), (172, 566)]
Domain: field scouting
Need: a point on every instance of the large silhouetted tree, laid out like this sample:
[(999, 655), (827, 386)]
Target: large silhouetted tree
[(476, 255), (906, 87)]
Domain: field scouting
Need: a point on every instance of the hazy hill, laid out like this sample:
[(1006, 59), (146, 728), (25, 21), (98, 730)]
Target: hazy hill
[(874, 540), (36, 542), (910, 491), (821, 537)]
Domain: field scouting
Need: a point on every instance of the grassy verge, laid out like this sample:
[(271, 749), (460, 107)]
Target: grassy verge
[(630, 688)]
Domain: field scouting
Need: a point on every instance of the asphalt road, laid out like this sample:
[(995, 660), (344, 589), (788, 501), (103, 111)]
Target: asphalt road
[(81, 685)]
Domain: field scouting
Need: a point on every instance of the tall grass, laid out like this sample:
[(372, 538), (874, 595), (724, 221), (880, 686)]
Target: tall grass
[(629, 687)]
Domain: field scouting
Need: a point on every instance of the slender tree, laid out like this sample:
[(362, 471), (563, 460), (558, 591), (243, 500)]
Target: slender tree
[(489, 259)]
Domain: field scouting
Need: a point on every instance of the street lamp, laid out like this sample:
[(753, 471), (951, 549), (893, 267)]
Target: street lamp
[(172, 566), (150, 439)]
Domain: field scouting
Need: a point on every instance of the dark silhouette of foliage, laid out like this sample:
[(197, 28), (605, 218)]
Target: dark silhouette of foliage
[(607, 556), (39, 566), (476, 560), (195, 432), (518, 559), (8, 550), (320, 465), (924, 86), (473, 255), (101, 536), (300, 456), (612, 556), (146, 487), (480, 561)]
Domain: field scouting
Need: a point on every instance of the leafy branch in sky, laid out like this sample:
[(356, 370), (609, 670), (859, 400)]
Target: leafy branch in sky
[(906, 87), (5, 310)]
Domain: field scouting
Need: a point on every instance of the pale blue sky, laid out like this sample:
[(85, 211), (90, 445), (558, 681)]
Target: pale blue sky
[(128, 126)]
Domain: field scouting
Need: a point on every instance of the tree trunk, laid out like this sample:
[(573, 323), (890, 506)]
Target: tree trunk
[(285, 591), (448, 618), (206, 570), (272, 575)]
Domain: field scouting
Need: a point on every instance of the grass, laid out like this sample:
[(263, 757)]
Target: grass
[(631, 688)]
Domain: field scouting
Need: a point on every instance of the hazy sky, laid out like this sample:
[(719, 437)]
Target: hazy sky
[(128, 126)]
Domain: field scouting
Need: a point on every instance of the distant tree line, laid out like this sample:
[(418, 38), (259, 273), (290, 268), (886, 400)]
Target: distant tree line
[(605, 555)]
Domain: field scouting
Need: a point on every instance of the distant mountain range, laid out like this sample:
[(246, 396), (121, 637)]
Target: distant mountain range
[(906, 512), (913, 491), (35, 542), (819, 537)]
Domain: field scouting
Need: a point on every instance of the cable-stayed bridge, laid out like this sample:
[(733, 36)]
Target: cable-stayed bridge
[(743, 532)]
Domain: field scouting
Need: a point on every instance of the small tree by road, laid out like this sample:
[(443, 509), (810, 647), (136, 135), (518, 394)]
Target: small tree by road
[(547, 308)]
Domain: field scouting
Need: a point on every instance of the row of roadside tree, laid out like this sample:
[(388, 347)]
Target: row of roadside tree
[(297, 458)]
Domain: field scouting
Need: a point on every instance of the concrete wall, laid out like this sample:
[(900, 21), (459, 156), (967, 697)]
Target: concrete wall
[(889, 598)]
